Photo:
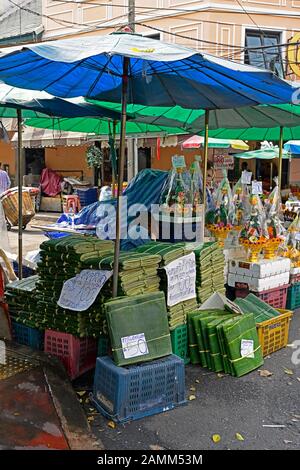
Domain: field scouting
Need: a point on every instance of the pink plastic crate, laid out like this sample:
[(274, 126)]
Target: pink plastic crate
[(78, 355), (276, 297)]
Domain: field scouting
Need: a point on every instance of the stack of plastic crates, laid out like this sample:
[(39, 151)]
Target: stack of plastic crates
[(87, 196), (276, 297), (78, 355), (133, 392), (28, 336)]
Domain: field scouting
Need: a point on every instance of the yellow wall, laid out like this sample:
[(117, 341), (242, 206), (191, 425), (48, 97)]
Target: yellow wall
[(67, 158), (7, 155)]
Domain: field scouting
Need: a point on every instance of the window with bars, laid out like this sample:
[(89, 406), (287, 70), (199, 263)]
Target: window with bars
[(263, 50)]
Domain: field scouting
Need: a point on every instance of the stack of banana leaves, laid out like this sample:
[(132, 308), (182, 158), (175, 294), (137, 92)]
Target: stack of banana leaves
[(62, 259), (137, 272), (224, 341), (210, 270), (21, 300), (260, 310), (170, 252)]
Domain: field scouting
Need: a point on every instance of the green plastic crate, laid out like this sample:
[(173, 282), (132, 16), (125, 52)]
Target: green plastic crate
[(179, 340), (103, 346), (293, 297)]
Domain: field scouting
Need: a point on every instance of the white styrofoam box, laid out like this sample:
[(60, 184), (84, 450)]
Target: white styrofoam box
[(258, 285), (295, 271), (260, 269)]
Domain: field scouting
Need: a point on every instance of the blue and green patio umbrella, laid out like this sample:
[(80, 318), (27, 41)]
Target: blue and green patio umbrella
[(129, 68)]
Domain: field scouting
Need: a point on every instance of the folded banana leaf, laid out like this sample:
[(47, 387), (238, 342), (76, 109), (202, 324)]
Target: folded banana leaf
[(236, 331), (141, 315)]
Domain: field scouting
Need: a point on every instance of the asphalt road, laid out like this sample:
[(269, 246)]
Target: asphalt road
[(224, 406)]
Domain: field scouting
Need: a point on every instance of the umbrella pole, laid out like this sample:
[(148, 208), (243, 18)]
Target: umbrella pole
[(271, 175), (20, 195), (280, 157), (120, 175), (205, 157)]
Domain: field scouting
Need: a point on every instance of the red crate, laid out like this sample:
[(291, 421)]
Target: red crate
[(276, 297), (78, 355)]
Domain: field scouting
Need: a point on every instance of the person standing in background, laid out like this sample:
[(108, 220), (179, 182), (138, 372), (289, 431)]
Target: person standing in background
[(4, 181)]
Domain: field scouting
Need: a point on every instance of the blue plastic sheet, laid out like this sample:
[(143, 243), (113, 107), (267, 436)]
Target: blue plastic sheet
[(144, 189)]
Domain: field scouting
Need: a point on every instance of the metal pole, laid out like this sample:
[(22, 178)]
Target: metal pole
[(205, 157), (20, 195), (120, 175), (131, 15), (280, 157), (271, 175)]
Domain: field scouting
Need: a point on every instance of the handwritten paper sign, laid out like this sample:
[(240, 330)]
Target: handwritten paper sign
[(257, 187), (80, 292), (247, 348), (134, 346), (223, 161), (246, 177), (181, 275)]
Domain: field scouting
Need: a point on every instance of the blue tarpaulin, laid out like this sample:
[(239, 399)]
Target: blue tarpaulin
[(144, 189)]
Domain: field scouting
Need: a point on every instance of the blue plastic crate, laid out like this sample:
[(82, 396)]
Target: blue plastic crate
[(133, 392), (28, 336)]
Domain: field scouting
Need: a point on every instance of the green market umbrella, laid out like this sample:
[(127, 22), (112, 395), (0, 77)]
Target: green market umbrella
[(100, 126), (263, 154)]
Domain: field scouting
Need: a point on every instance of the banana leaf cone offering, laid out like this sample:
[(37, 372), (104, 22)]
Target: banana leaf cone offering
[(138, 328)]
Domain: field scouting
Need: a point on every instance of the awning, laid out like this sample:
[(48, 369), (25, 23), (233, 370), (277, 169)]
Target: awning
[(197, 141), (37, 138)]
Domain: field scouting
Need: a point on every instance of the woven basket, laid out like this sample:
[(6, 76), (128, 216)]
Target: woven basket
[(11, 207)]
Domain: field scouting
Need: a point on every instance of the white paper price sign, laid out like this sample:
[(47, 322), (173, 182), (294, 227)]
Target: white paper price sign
[(246, 177), (80, 292), (247, 348), (181, 275), (134, 346), (257, 187)]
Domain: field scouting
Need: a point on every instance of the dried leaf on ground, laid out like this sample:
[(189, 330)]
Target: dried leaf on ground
[(156, 447), (90, 418), (197, 381), (298, 378), (216, 438), (239, 437), (81, 393), (288, 372), (192, 389), (192, 397), (111, 424), (287, 442), (265, 373), (220, 375)]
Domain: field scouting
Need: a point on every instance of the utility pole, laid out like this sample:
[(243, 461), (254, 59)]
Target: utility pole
[(131, 14)]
